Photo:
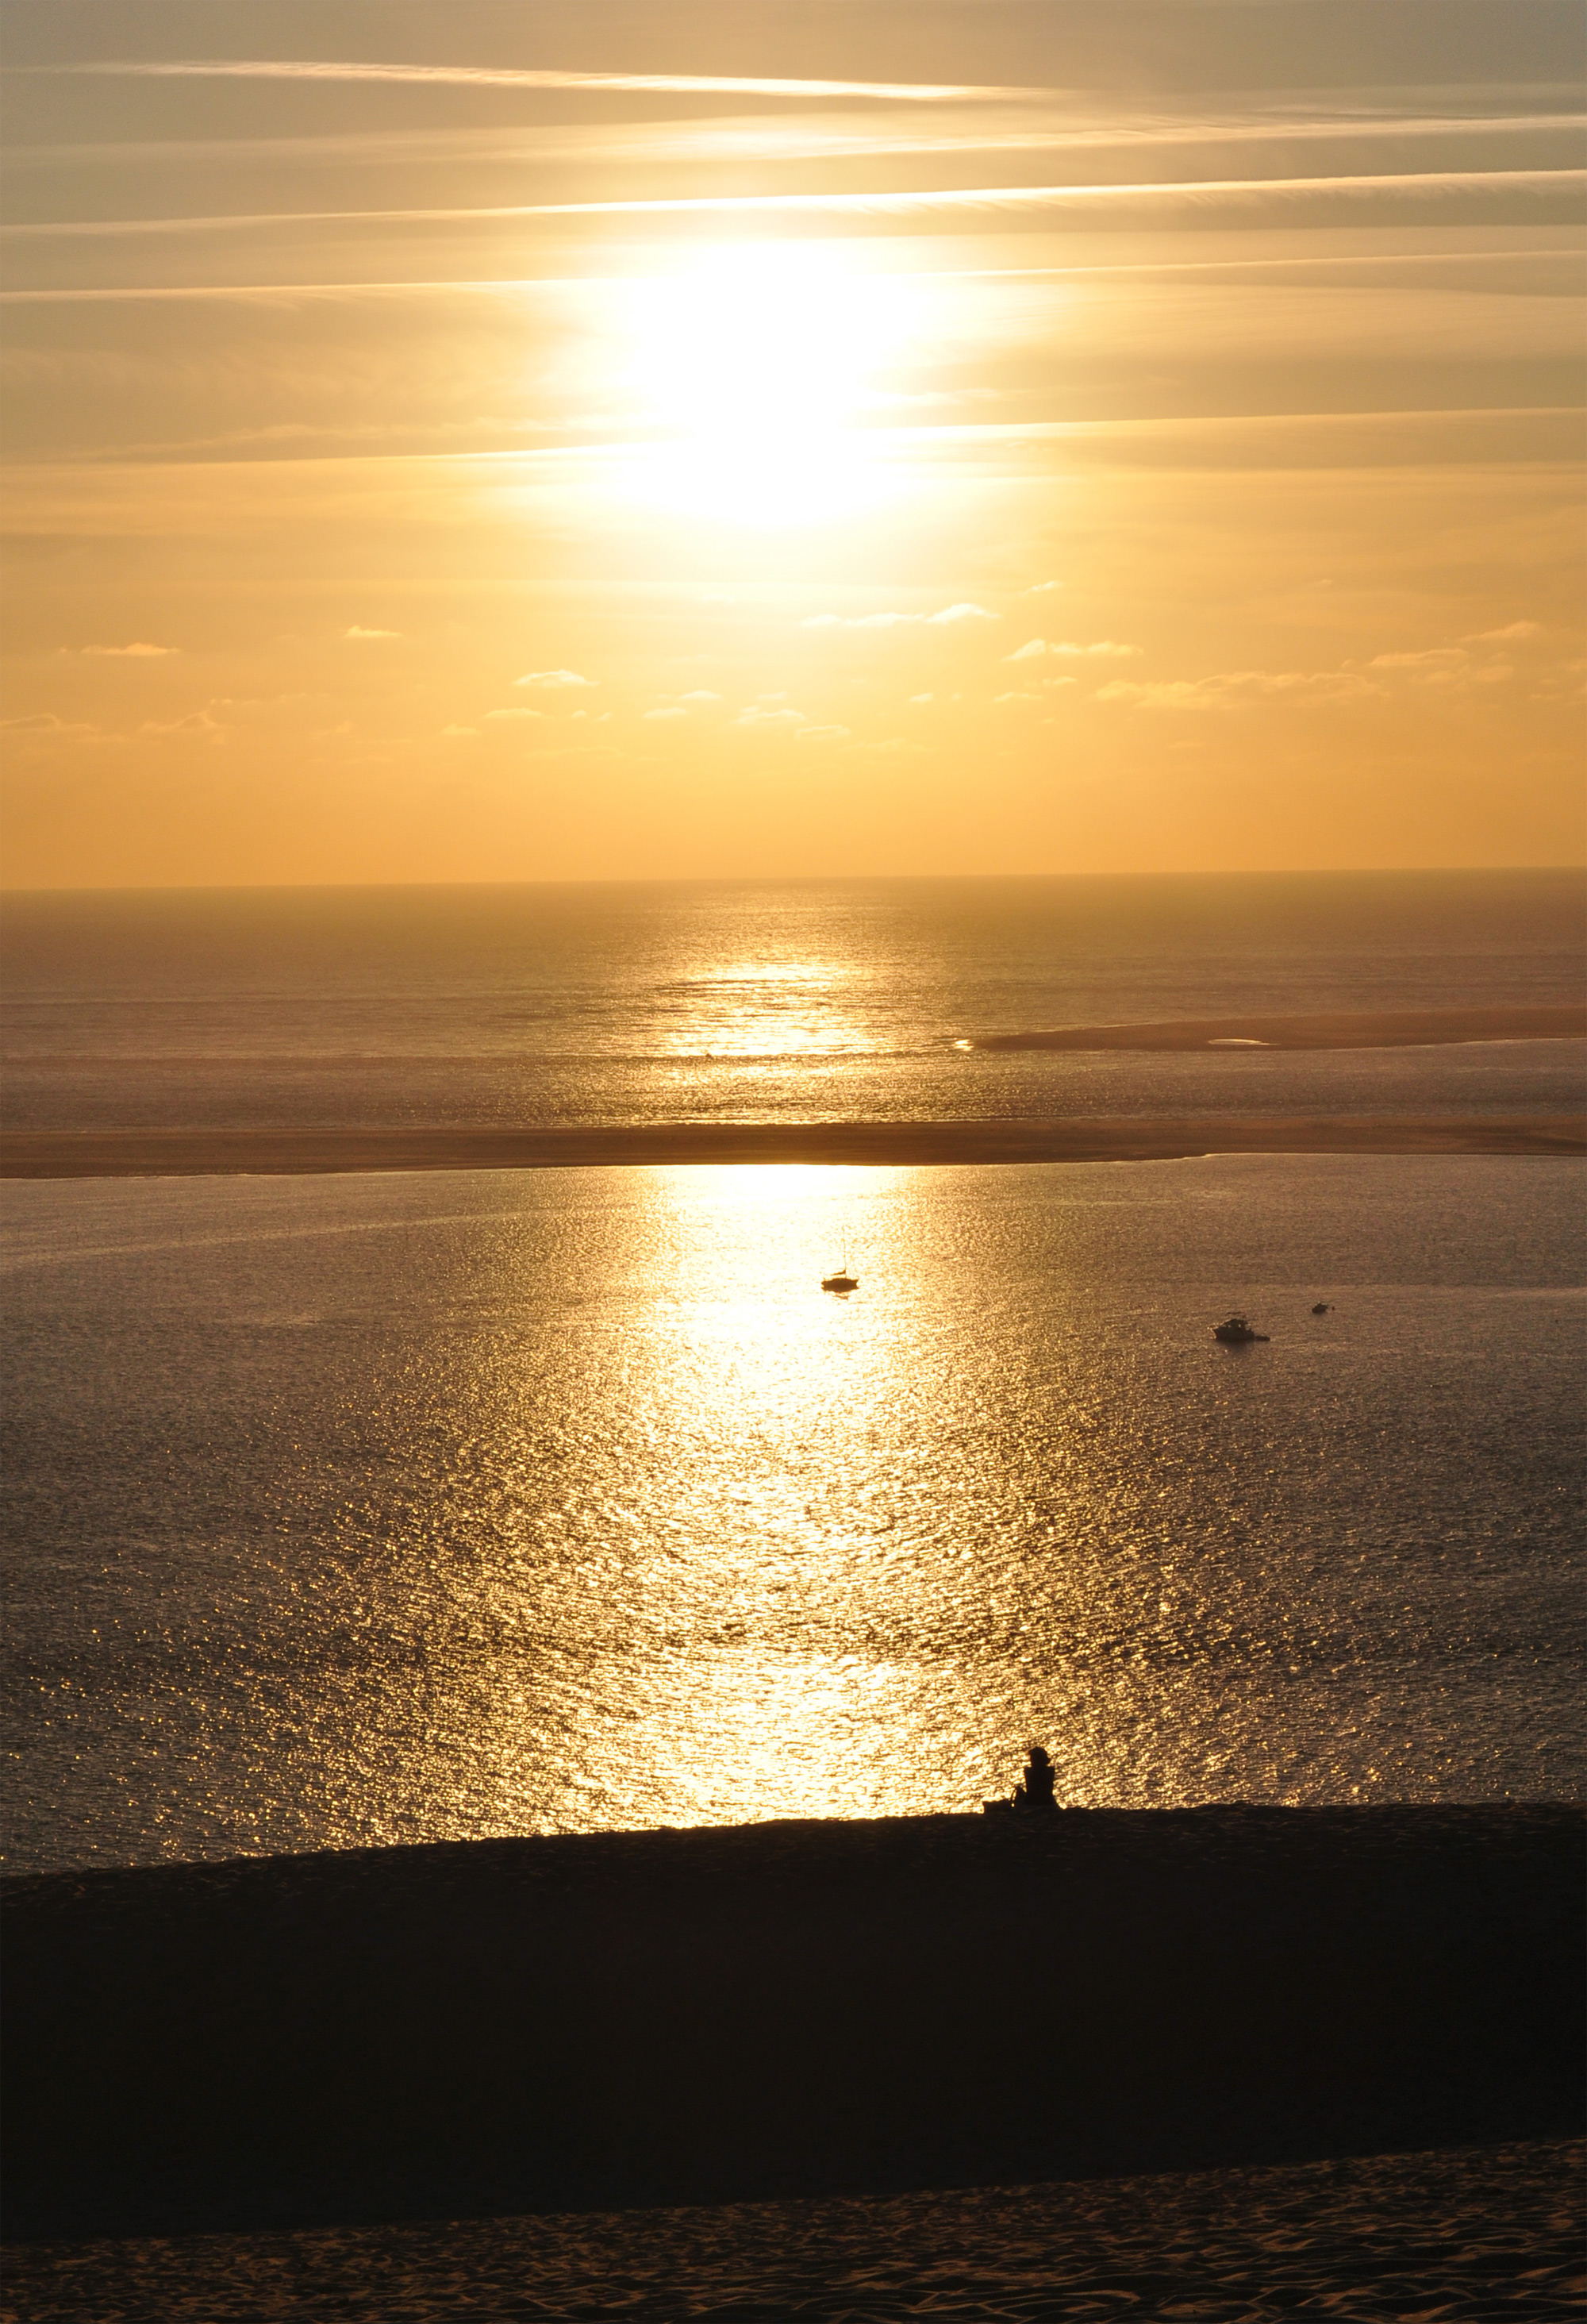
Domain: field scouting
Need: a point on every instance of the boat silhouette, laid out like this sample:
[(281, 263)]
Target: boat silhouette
[(1238, 1333), (841, 1279)]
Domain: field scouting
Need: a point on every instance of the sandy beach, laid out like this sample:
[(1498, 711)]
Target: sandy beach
[(222, 1153), (1475, 2233), (1369, 1029), (775, 2011)]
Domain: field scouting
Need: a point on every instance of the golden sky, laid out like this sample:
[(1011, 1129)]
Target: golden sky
[(499, 441)]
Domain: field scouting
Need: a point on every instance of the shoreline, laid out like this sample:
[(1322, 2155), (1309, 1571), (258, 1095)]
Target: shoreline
[(293, 1153), (1357, 1028), (771, 2012)]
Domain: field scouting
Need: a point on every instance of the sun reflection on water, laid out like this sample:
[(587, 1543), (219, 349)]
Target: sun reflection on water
[(569, 1500)]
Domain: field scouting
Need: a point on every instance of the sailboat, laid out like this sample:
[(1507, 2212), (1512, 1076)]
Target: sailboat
[(841, 1280)]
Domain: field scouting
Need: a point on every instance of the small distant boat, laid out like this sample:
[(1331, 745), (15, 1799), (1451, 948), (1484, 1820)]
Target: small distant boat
[(1238, 1333), (1321, 1308), (841, 1279)]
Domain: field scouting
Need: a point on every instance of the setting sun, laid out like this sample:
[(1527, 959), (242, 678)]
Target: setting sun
[(759, 363)]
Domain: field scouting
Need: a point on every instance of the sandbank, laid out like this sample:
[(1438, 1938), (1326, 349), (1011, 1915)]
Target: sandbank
[(783, 2012), (290, 1153), (1371, 1028)]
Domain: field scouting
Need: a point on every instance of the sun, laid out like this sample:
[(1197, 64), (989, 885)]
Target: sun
[(757, 364)]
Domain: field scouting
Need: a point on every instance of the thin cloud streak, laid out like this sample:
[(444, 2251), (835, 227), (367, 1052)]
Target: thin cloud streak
[(906, 441), (517, 285), (504, 76), (1189, 191), (773, 138)]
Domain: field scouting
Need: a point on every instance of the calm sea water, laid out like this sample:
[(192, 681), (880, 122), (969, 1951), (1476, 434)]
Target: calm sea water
[(407, 1508), (400, 1507), (751, 1002)]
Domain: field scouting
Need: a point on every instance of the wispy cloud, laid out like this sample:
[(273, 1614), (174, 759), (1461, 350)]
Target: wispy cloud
[(553, 681), (1105, 649), (139, 650), (358, 630), (1424, 185), (1443, 666), (765, 137), (514, 286), (1227, 689), (508, 76), (947, 615)]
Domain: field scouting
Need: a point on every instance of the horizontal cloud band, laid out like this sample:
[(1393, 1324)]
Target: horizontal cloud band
[(507, 77), (1194, 191)]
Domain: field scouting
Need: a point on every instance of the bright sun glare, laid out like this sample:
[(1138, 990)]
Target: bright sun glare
[(759, 361)]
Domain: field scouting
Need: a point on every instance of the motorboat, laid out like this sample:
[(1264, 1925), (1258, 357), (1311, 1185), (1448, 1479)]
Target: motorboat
[(1238, 1333), (841, 1281)]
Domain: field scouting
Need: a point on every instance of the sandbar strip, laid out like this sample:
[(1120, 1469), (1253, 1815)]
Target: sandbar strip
[(1372, 1029), (295, 1153)]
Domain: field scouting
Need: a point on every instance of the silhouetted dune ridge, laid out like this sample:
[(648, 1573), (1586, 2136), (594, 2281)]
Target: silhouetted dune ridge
[(785, 2010)]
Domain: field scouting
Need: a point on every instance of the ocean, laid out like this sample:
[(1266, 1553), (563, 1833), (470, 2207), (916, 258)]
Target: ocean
[(347, 1510)]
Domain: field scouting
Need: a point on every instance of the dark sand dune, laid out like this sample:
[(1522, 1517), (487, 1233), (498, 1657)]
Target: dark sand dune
[(785, 2010), (207, 1153), (1339, 1028), (1479, 2233)]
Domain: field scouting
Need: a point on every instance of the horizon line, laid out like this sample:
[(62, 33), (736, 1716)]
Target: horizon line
[(794, 880)]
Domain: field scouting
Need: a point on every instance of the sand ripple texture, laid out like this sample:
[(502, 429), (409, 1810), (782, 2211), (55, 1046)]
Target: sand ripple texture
[(1472, 2234)]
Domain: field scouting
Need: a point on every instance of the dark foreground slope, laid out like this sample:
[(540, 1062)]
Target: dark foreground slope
[(782, 2010), (1474, 2236)]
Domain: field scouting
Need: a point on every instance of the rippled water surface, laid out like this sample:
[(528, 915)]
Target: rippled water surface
[(369, 1508), (735, 1002)]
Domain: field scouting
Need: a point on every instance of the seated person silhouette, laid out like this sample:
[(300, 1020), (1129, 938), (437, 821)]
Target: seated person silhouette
[(1035, 1793)]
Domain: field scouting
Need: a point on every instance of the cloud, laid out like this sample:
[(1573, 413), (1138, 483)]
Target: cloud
[(1433, 658), (821, 734), (607, 750), (949, 613), (1512, 634), (1443, 666), (1104, 649), (761, 714), (1190, 193), (552, 679), (1041, 589), (44, 721), (462, 730), (1226, 689), (1051, 685), (512, 76), (494, 717), (673, 710), (1016, 698), (922, 697), (358, 630), (139, 650), (197, 722), (700, 694), (894, 747)]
